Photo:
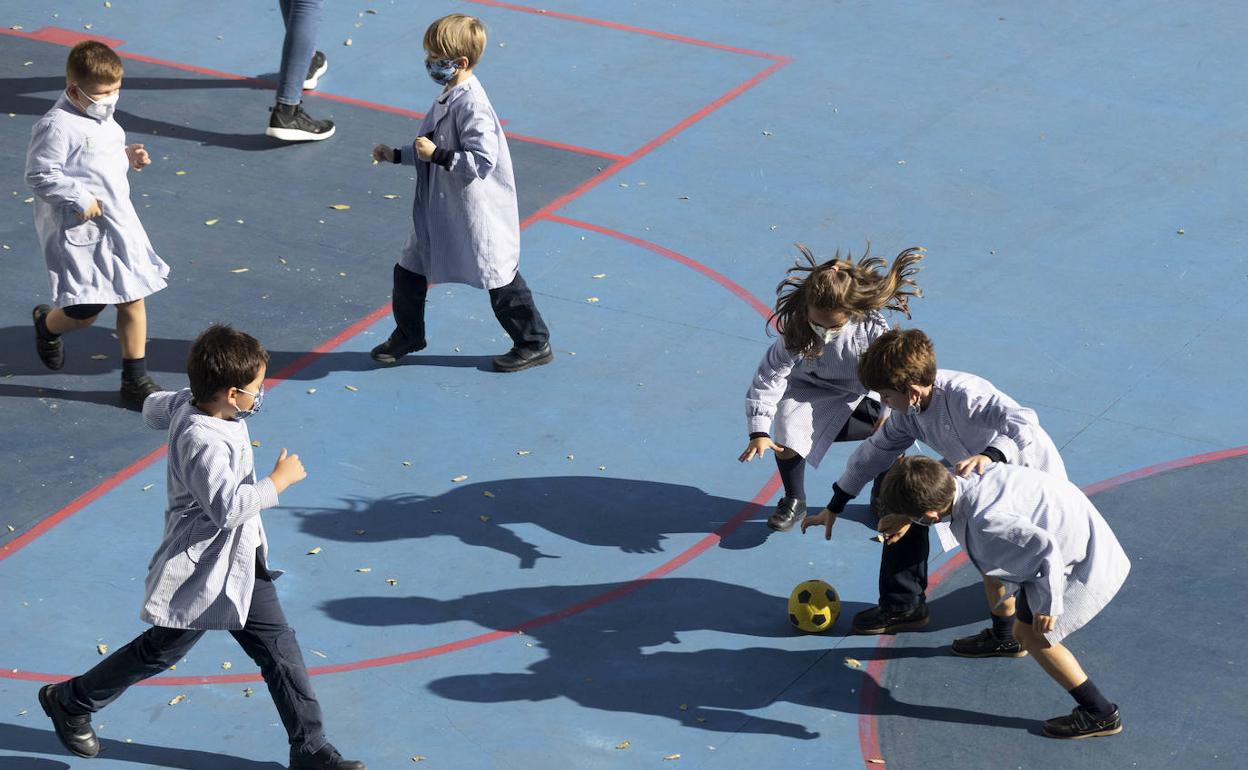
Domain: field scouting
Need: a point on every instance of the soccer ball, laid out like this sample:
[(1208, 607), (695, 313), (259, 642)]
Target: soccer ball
[(814, 606)]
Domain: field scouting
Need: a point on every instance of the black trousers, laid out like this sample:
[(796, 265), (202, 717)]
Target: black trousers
[(265, 637), (903, 571), (513, 307)]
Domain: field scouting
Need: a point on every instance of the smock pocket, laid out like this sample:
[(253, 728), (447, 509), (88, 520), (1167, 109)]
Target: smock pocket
[(86, 233), (205, 540)]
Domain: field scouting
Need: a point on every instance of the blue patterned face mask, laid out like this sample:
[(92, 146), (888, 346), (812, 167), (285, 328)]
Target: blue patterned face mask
[(441, 70), (257, 398)]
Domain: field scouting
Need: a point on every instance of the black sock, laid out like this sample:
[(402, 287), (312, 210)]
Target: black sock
[(1003, 627), (133, 368), (1093, 702), (793, 474), (41, 328)]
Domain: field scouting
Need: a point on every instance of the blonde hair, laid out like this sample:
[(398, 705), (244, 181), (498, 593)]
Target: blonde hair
[(93, 63), (456, 35), (840, 285), (915, 485), (898, 359)]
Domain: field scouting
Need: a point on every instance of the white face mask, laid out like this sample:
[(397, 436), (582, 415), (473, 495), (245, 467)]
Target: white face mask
[(103, 107), (824, 333)]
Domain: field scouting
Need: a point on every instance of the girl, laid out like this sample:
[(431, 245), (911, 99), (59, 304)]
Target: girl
[(807, 384)]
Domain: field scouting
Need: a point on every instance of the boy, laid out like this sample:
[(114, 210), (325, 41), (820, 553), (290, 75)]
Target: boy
[(211, 569), (970, 423), (95, 247), (1038, 535), (465, 220)]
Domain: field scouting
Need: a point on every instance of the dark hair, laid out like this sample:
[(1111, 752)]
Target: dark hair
[(93, 63), (223, 357), (854, 288), (915, 485), (897, 359)]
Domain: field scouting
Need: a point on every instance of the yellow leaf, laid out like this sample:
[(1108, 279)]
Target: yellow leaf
[(876, 761), (347, 41), (99, 357), (684, 707), (390, 196), (489, 495), (600, 275), (363, 569), (484, 519), (101, 649), (340, 207), (240, 270), (672, 756), (392, 581), (523, 452), (211, 222), (592, 300), (853, 663), (255, 443), (247, 692), (623, 745), (458, 479), (319, 654), (314, 551), (417, 758), (226, 666), (311, 391), (179, 173), (175, 700), (352, 388), (407, 463), (147, 487)]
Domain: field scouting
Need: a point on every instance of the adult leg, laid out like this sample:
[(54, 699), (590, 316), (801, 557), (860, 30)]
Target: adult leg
[(289, 122), (516, 312), (407, 301)]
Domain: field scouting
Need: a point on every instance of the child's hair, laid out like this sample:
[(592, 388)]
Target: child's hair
[(840, 285), (898, 359), (92, 62), (456, 35), (223, 357), (915, 485)]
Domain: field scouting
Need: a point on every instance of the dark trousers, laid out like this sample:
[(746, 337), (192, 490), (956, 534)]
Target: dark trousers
[(265, 637), (903, 571), (513, 307)]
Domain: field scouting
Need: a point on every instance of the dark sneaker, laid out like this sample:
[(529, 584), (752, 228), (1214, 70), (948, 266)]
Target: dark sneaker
[(51, 352), (316, 68), (291, 124), (135, 392), (327, 758), (790, 511), (394, 348), (879, 621), (74, 731), (522, 358), (1081, 724), (985, 644)]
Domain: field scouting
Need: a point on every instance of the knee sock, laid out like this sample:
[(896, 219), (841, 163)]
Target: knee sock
[(1003, 627), (41, 326), (793, 474), (1093, 702), (133, 368)]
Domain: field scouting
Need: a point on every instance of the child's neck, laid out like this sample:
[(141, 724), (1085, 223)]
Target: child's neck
[(216, 408), (460, 76)]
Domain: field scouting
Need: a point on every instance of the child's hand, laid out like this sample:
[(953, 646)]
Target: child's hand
[(975, 463), (287, 471), (425, 148), (1044, 623), (383, 153), (893, 527), (138, 156), (758, 447), (825, 517), (92, 211)]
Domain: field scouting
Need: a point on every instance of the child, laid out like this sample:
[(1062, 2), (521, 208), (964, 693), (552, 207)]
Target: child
[(1038, 535), (807, 384), (95, 247), (466, 225), (970, 423), (211, 569)]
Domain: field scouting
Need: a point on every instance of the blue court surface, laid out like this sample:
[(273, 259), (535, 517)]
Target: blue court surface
[(566, 567)]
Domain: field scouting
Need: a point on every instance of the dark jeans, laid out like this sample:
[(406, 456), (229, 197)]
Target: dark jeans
[(903, 571), (266, 638), (513, 307), (302, 19)]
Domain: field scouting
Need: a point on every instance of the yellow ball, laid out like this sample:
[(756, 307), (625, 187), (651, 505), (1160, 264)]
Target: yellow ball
[(814, 606)]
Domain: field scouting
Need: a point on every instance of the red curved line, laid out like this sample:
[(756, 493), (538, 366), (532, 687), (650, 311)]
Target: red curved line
[(868, 729)]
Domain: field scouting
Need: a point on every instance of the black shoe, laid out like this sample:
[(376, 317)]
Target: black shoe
[(522, 358), (327, 758), (316, 68), (135, 392), (394, 348), (790, 511), (985, 644), (291, 124), (51, 352), (1081, 724), (74, 731), (879, 621)]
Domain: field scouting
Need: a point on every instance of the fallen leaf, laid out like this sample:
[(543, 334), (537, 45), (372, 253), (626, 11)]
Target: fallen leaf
[(407, 463), (671, 757), (458, 479), (311, 391), (392, 581), (314, 551), (766, 132), (101, 649), (239, 221), (488, 494), (87, 26), (282, 260), (484, 519), (147, 487), (374, 12), (342, 275), (247, 692), (876, 761), (22, 713), (241, 270), (418, 758), (524, 452), (255, 443), (179, 173), (11, 527), (602, 467), (347, 41), (363, 569), (352, 388), (226, 666), (591, 300), (853, 663), (211, 222), (1179, 231), (359, 531), (684, 707), (623, 745), (29, 200), (390, 196), (99, 357), (340, 207), (319, 654), (599, 275), (571, 457), (175, 700)]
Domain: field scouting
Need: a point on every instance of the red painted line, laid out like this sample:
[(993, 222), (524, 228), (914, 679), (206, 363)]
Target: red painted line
[(624, 28), (719, 278), (67, 37), (868, 728), (307, 358)]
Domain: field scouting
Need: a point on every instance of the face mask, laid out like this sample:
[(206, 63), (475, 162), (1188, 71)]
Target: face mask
[(441, 70), (103, 107), (824, 333), (257, 398)]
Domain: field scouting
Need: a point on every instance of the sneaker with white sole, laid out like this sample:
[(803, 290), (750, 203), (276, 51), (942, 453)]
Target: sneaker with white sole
[(316, 68), (290, 123)]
